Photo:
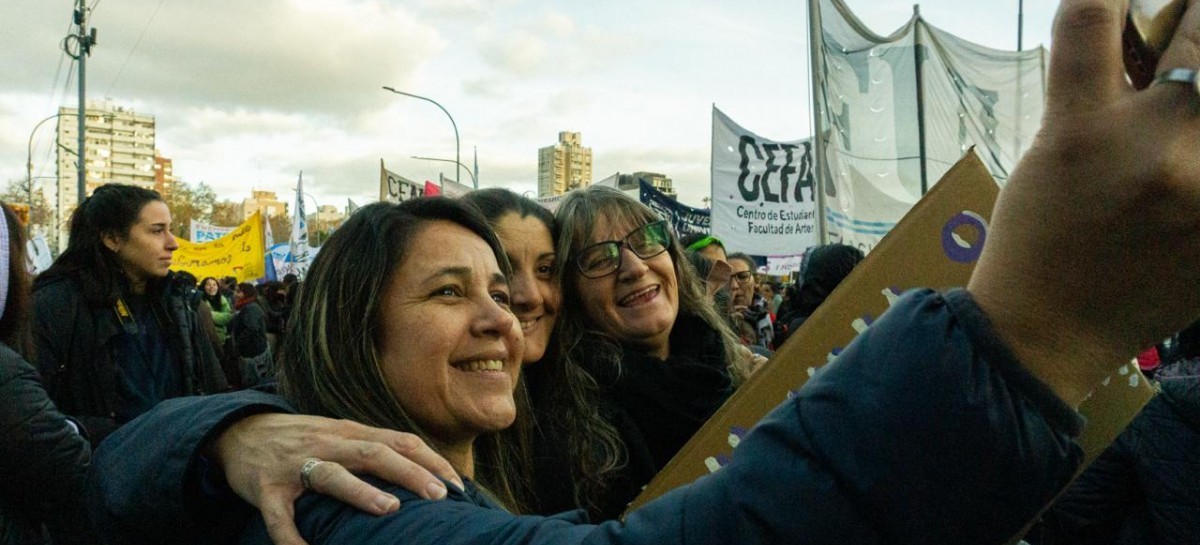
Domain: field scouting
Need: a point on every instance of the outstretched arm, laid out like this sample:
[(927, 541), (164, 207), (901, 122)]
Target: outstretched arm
[(162, 477)]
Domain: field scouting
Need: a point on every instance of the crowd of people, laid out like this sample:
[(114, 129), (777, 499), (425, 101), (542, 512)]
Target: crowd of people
[(480, 370)]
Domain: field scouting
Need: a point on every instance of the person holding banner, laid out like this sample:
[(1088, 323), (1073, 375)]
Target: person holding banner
[(113, 336), (854, 456)]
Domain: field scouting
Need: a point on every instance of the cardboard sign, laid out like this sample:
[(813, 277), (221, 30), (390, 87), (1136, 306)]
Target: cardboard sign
[(936, 245)]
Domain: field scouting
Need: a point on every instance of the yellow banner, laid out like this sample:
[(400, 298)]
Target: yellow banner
[(239, 254)]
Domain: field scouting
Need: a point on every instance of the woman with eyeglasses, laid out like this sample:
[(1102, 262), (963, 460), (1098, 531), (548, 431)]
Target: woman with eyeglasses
[(637, 319)]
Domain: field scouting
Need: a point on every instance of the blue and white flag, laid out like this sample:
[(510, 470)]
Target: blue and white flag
[(298, 243), (684, 219)]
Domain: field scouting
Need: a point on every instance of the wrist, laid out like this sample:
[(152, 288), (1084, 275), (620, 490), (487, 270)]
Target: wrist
[(1064, 353)]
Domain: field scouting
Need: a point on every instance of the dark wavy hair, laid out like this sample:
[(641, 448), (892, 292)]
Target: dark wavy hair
[(112, 209), (329, 362), (496, 202), (15, 329)]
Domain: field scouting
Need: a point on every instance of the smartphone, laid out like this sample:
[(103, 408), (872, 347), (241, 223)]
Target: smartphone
[(1148, 31)]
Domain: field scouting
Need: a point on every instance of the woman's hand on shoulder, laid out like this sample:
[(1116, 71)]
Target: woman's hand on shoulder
[(262, 456)]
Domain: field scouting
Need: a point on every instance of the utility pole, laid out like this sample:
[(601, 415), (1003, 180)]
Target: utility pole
[(82, 43)]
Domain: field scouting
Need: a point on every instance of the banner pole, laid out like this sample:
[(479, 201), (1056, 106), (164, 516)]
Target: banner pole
[(918, 62), (820, 161)]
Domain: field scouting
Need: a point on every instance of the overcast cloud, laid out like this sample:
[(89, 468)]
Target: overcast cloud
[(248, 94)]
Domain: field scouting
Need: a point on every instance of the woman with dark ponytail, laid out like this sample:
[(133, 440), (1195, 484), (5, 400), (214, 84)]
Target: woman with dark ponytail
[(112, 336)]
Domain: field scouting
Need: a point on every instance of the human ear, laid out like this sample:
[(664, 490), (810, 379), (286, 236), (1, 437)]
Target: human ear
[(111, 241)]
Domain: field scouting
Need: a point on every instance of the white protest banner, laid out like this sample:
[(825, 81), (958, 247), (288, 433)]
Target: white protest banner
[(453, 189), (551, 202), (37, 255), (396, 188), (782, 265), (893, 115), (206, 232), (764, 201)]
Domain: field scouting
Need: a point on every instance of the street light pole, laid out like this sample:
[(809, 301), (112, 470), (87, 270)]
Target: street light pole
[(457, 157), (474, 180), (29, 156), (317, 213), (83, 42)]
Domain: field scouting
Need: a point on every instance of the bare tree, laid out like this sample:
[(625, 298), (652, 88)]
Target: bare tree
[(187, 203), (226, 214), (40, 212)]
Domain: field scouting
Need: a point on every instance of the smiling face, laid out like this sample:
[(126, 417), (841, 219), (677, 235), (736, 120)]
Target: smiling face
[(211, 287), (144, 253), (449, 346), (535, 292), (743, 283), (638, 304)]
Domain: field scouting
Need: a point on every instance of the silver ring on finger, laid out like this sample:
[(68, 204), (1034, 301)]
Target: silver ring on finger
[(1186, 76), (306, 472)]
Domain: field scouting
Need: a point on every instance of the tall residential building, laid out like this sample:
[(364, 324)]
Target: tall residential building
[(118, 148), (164, 175), (564, 166), (263, 201)]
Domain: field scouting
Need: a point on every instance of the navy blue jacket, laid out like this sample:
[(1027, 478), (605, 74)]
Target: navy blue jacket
[(926, 430), (76, 329)]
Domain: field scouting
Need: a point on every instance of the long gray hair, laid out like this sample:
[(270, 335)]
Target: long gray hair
[(581, 344)]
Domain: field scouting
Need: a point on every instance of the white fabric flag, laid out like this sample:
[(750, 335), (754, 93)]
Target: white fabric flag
[(395, 188), (299, 239), (763, 195), (896, 112)]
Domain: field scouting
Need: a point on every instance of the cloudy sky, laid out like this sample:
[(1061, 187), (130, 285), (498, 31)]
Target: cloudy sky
[(246, 94)]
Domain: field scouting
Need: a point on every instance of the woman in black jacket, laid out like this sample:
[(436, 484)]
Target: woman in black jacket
[(113, 336), (42, 455)]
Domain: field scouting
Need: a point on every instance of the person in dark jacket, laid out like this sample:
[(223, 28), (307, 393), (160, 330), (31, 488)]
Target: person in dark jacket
[(249, 325), (824, 269), (113, 335), (43, 457), (1145, 488), (249, 332)]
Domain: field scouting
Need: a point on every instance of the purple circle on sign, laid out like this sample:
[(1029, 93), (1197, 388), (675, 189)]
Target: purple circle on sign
[(955, 247)]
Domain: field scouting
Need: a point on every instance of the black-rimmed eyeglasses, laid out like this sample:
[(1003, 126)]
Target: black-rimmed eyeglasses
[(604, 258)]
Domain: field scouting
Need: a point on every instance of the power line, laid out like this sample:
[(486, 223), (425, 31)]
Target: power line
[(120, 71)]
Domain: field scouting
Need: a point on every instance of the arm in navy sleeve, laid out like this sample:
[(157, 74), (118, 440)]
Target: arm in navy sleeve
[(925, 431), (150, 483)]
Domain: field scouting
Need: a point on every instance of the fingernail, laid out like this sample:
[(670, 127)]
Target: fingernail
[(387, 503), (435, 491)]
